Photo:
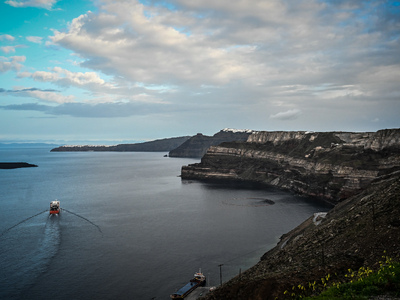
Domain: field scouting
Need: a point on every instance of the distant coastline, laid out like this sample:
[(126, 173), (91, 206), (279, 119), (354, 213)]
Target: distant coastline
[(163, 145), (186, 146), (16, 165)]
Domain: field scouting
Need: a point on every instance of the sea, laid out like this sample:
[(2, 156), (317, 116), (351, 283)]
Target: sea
[(130, 227)]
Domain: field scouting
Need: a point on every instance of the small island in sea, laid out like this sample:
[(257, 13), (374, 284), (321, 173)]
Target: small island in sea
[(15, 165)]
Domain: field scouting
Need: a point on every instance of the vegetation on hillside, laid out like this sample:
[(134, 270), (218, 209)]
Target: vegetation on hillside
[(363, 283)]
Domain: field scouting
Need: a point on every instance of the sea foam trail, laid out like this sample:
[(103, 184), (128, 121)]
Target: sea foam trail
[(30, 259), (8, 229), (87, 220)]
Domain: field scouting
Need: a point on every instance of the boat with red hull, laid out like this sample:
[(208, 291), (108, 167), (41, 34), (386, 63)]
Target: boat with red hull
[(54, 207), (198, 280)]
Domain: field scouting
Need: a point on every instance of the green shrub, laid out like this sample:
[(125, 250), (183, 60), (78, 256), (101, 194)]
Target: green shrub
[(360, 284)]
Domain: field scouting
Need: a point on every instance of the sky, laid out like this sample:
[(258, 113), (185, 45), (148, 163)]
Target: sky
[(114, 71)]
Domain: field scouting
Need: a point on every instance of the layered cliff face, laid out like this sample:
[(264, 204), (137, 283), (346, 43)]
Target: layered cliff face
[(328, 165)]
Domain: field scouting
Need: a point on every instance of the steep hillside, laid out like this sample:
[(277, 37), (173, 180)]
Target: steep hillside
[(328, 165), (356, 233)]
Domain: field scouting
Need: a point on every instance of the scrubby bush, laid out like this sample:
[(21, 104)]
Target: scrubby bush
[(360, 284)]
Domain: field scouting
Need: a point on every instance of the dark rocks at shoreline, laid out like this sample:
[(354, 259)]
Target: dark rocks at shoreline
[(16, 165)]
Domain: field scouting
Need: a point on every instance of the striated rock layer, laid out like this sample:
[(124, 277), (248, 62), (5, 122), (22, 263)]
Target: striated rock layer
[(329, 165)]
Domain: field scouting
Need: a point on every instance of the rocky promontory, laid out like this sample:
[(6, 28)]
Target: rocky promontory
[(15, 165), (160, 145), (185, 146), (329, 165), (197, 145)]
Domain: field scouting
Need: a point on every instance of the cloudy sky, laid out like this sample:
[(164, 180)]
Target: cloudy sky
[(115, 70)]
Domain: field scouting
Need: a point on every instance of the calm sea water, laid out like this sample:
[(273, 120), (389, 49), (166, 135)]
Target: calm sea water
[(133, 229)]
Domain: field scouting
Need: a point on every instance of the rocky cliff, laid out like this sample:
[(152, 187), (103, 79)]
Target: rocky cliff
[(197, 145), (329, 165), (355, 233)]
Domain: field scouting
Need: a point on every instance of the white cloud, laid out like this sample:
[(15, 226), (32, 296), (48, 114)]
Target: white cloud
[(12, 63), (6, 37), (8, 49), (332, 60), (64, 77), (34, 39), (220, 42), (287, 115), (100, 90), (50, 96), (122, 40), (11, 49), (47, 4)]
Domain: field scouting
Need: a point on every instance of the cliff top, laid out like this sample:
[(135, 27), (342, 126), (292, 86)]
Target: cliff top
[(238, 130), (369, 140)]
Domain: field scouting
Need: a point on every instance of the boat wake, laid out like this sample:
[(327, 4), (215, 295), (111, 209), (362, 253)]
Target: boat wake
[(27, 219), (87, 220), (30, 259)]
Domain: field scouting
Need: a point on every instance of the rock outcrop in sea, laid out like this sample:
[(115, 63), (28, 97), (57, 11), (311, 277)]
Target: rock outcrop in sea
[(16, 165)]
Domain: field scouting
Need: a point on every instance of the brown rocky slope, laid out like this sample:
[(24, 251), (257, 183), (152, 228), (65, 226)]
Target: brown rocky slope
[(355, 233)]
